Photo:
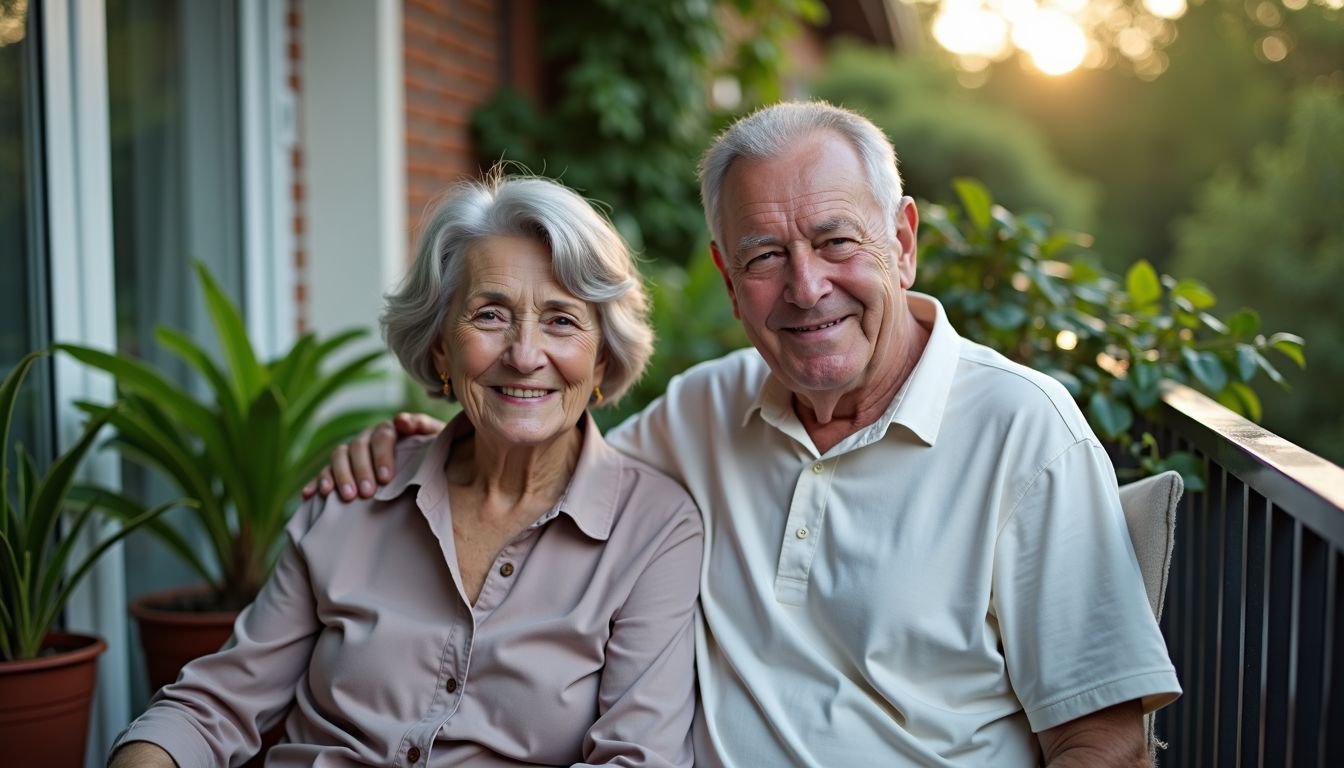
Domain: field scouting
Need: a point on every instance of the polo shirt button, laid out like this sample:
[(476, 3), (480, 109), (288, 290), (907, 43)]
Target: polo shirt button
[(817, 467), (413, 754), (506, 570), (452, 685), (802, 533)]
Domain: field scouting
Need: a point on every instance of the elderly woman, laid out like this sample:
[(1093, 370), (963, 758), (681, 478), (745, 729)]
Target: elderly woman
[(520, 593)]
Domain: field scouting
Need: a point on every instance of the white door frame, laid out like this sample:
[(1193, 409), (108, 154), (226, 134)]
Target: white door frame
[(78, 205)]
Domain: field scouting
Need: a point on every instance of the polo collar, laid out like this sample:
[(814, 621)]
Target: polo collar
[(589, 500), (918, 406)]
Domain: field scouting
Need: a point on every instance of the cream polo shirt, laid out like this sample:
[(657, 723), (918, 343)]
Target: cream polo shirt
[(929, 592)]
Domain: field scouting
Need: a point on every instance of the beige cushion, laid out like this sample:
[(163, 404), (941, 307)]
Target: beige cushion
[(1150, 513)]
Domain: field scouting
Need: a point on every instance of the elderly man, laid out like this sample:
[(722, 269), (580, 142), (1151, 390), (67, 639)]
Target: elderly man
[(914, 548)]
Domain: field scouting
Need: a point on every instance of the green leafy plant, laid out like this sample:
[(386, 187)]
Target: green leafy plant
[(37, 572), (244, 455), (1041, 298)]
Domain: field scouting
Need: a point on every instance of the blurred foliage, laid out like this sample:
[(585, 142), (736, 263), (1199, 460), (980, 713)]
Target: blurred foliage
[(1275, 235), (629, 113), (1039, 297), (1151, 145), (942, 131)]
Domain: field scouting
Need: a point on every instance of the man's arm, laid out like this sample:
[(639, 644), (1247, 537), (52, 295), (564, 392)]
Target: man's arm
[(1111, 737), (141, 754), (368, 461)]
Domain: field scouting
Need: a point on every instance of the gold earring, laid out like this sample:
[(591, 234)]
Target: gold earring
[(597, 395), (447, 385)]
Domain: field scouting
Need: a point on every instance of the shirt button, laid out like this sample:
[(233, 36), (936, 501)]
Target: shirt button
[(817, 467), (413, 754), (506, 570), (452, 685), (802, 533)]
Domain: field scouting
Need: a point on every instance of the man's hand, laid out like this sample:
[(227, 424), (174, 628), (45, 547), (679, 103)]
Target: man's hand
[(1110, 737), (369, 460), (141, 754)]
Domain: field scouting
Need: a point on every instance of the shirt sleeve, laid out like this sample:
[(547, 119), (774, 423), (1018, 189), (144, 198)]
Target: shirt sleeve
[(646, 435), (221, 704), (1077, 631), (646, 698)]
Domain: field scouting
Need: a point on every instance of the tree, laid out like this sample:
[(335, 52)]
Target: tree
[(942, 131), (1274, 237)]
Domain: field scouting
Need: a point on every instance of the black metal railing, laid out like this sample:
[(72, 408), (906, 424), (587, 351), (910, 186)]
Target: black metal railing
[(1254, 617)]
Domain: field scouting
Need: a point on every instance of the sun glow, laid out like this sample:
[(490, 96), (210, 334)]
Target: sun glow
[(1059, 36), (1054, 41)]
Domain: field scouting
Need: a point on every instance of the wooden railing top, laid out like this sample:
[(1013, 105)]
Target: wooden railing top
[(1293, 478)]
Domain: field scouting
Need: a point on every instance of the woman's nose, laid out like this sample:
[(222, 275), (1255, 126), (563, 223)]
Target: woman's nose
[(525, 353)]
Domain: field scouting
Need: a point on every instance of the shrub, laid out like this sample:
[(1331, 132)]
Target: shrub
[(1042, 299)]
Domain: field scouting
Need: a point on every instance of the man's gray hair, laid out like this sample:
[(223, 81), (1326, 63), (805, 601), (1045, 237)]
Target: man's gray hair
[(769, 131), (588, 257)]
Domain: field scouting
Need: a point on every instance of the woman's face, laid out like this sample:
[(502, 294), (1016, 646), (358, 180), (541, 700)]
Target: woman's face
[(523, 352)]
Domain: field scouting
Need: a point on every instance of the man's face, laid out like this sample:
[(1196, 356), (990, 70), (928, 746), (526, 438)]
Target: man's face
[(816, 274)]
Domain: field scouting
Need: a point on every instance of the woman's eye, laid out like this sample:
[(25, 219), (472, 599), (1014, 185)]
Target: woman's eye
[(488, 315)]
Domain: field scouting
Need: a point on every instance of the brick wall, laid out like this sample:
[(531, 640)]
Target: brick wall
[(299, 179), (453, 62)]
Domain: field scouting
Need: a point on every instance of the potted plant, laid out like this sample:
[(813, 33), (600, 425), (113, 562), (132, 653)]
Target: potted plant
[(47, 677), (242, 455)]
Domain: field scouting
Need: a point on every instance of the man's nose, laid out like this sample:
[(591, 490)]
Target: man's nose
[(808, 282)]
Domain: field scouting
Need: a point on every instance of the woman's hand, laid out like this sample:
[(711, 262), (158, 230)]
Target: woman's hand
[(352, 469), (141, 754)]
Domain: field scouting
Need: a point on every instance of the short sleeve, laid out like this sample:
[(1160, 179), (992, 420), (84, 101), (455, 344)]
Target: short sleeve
[(1078, 634)]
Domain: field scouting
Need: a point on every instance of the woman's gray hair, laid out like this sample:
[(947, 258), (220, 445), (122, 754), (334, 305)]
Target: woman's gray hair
[(768, 131), (588, 257)]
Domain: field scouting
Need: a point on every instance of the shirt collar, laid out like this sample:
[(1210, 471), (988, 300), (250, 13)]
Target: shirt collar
[(590, 500), (921, 401)]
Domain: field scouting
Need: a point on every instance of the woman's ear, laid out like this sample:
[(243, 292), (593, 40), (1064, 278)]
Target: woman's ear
[(600, 367), (443, 361)]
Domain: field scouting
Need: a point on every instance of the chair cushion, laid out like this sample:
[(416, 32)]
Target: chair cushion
[(1150, 513)]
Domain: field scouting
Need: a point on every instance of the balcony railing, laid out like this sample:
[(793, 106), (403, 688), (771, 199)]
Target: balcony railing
[(1254, 617)]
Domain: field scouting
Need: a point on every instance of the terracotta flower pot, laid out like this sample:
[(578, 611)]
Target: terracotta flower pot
[(172, 634), (44, 702)]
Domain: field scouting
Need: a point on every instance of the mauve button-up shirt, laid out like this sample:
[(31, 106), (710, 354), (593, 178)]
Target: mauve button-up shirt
[(578, 650)]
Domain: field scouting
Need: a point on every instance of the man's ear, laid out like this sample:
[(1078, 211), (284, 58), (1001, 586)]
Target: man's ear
[(907, 240), (727, 281)]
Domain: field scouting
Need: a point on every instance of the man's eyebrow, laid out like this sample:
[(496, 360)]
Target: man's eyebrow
[(749, 242), (835, 224)]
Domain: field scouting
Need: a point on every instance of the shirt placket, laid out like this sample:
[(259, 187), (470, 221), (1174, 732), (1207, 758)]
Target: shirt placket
[(455, 669), (807, 513)]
